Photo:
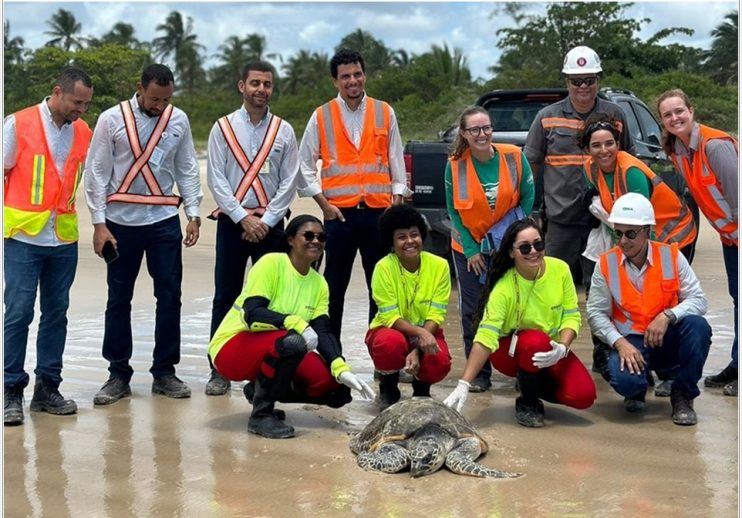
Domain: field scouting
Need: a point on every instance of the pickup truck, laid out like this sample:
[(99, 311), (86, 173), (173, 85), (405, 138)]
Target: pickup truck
[(512, 112)]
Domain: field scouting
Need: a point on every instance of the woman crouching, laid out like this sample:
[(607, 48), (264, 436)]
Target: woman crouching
[(277, 335)]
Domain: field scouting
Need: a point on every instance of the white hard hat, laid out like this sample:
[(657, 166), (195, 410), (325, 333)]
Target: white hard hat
[(632, 209), (581, 60)]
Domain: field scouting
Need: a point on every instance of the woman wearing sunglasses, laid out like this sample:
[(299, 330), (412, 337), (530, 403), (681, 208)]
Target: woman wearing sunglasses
[(527, 319), (488, 186), (277, 335), (411, 289), (708, 159)]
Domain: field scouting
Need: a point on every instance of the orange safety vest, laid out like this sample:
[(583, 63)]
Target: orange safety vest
[(469, 198), (250, 170), (634, 310), (674, 219), (706, 189), (350, 175), (33, 188), (141, 164)]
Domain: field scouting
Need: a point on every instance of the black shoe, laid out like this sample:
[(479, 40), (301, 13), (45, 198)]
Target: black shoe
[(601, 353), (269, 426), (663, 388), (111, 391), (217, 385), (405, 377), (728, 375), (480, 385), (730, 389), (682, 409), (420, 388), (635, 404), (529, 414), (388, 390), (13, 405), (249, 391), (46, 398), (170, 386)]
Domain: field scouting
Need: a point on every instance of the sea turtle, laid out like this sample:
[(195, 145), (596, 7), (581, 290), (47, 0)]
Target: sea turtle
[(422, 434)]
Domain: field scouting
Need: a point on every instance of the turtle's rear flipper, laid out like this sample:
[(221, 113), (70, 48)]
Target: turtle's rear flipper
[(389, 458), (461, 460)]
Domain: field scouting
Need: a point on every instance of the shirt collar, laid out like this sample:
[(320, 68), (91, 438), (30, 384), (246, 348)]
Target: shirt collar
[(246, 115), (47, 112), (695, 135), (649, 262), (345, 106)]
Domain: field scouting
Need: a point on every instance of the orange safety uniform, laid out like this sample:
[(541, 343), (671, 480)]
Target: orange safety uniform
[(33, 187), (353, 175), (469, 198), (674, 219), (634, 310), (705, 187)]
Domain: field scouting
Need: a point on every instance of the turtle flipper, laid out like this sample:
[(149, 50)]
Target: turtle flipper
[(389, 458), (462, 456)]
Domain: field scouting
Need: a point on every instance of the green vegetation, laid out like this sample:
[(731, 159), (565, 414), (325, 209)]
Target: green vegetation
[(427, 90)]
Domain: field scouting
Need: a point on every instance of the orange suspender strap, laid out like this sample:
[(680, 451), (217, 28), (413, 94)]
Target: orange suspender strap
[(250, 170), (141, 164)]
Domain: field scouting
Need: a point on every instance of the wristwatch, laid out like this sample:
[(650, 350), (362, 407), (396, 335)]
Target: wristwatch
[(669, 314)]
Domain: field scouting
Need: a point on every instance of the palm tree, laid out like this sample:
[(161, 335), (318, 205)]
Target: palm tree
[(13, 47), (721, 59), (402, 59), (65, 30), (305, 71), (375, 54), (179, 42), (453, 66), (122, 34)]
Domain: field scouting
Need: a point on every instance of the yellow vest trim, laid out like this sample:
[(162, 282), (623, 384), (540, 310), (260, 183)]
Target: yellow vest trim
[(37, 182)]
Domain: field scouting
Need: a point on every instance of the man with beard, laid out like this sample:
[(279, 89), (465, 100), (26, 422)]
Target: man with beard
[(141, 149), (253, 159)]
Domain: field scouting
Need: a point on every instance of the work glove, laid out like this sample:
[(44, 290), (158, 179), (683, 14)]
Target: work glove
[(549, 358), (457, 398), (350, 380), (311, 338)]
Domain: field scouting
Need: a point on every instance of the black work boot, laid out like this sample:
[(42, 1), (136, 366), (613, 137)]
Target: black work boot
[(420, 388), (46, 398), (635, 404), (529, 410), (388, 389), (13, 405), (263, 420), (171, 386), (728, 375), (249, 391), (682, 409), (217, 385), (112, 390)]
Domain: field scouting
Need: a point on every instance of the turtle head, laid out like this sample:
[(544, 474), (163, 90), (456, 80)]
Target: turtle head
[(428, 449)]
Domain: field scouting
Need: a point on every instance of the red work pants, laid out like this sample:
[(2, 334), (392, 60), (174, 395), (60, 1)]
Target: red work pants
[(389, 348)]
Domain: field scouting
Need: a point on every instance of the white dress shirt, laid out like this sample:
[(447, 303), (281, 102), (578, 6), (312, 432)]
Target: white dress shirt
[(309, 151), (691, 300), (110, 158), (278, 175), (59, 141)]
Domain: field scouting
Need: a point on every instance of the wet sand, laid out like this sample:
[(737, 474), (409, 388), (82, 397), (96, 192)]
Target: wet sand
[(152, 456)]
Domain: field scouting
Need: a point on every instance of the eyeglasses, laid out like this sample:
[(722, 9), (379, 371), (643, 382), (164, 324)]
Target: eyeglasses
[(477, 130), (310, 236), (525, 248), (630, 234), (579, 81)]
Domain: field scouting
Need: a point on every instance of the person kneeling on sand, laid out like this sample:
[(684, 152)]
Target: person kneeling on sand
[(277, 335)]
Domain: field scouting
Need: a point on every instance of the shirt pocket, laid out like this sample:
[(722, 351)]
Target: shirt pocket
[(381, 138)]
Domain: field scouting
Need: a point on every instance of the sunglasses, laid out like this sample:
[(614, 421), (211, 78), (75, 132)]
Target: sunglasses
[(630, 234), (310, 236), (477, 130), (579, 81), (525, 248)]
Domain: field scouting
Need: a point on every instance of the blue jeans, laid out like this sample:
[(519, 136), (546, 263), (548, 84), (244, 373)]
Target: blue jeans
[(685, 344), (359, 232), (161, 242), (470, 291), (731, 263), (51, 269)]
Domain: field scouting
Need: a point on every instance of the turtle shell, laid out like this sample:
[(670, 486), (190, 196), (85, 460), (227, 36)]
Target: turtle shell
[(403, 419)]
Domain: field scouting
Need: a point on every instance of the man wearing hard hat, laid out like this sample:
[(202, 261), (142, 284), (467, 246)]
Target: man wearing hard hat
[(557, 163), (646, 302)]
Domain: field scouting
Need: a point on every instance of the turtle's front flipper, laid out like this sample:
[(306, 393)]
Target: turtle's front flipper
[(462, 456), (389, 458)]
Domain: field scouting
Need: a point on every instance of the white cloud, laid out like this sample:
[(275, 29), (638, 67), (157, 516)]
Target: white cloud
[(316, 31)]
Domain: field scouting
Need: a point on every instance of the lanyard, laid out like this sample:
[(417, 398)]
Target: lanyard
[(518, 311)]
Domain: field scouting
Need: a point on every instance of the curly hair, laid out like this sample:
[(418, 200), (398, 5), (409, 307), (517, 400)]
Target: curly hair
[(345, 56), (597, 122), (400, 217)]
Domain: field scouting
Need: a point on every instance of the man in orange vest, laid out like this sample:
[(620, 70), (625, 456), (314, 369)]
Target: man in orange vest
[(44, 148), (647, 304), (251, 170), (362, 173), (141, 149)]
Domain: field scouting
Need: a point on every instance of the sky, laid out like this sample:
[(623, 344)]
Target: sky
[(319, 26)]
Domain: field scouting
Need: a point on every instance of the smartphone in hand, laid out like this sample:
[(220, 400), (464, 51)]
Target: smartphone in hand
[(109, 252)]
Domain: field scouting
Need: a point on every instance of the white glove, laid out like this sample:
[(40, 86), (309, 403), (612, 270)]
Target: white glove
[(597, 210), (457, 398), (311, 338), (349, 379), (547, 359)]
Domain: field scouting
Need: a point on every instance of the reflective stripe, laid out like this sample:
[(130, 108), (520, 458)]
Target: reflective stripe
[(512, 163), (339, 170), (378, 114), (329, 133), (666, 262), (558, 122), (341, 191), (723, 205), (78, 175), (570, 311), (553, 331), (387, 309), (377, 188), (492, 328), (37, 183), (144, 199), (438, 305), (614, 283), (562, 160)]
